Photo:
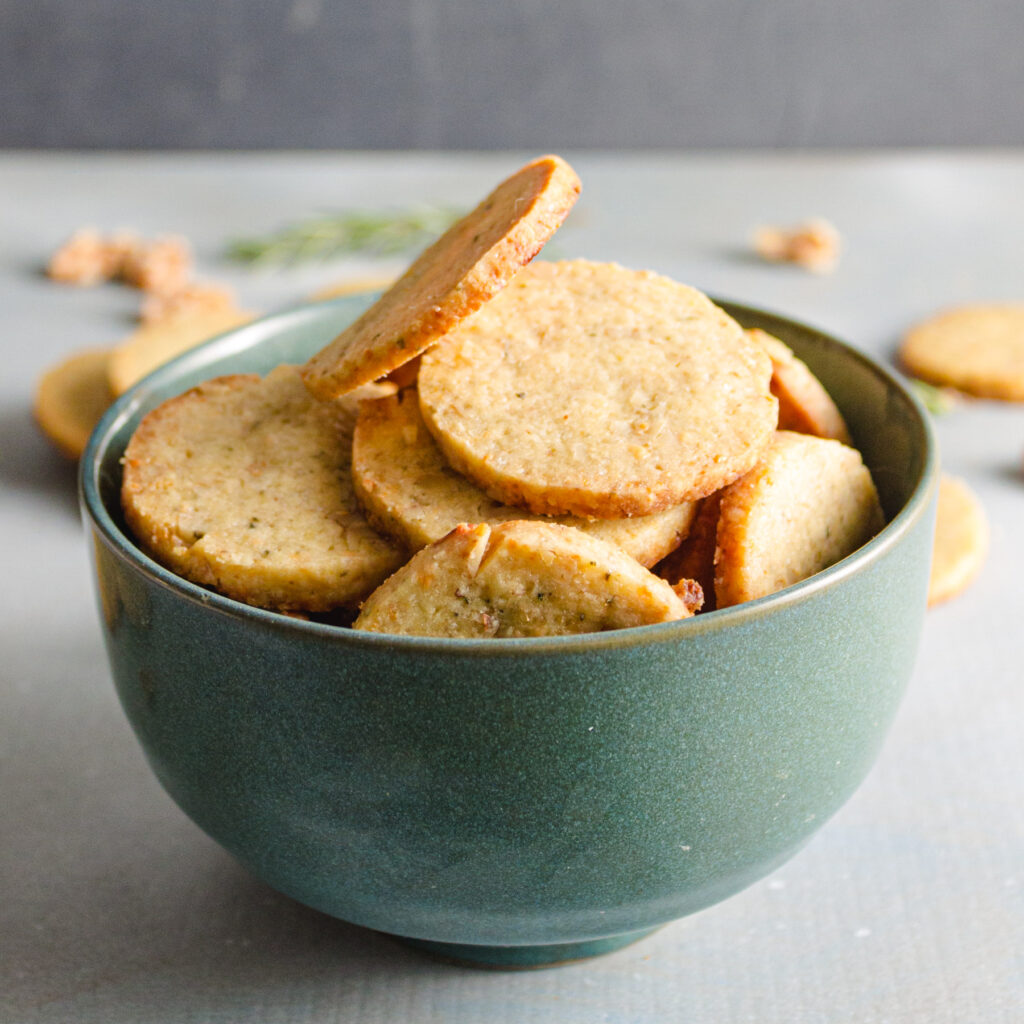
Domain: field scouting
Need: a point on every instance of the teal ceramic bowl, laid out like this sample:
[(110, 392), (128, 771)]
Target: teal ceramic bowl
[(518, 802)]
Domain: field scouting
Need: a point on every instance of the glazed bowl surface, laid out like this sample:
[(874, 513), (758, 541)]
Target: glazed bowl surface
[(518, 802)]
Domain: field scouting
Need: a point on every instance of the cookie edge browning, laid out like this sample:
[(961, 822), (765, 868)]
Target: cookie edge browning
[(732, 558), (805, 406), (479, 542), (332, 371)]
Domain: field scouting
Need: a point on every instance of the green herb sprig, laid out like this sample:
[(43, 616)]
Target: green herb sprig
[(938, 401), (344, 233)]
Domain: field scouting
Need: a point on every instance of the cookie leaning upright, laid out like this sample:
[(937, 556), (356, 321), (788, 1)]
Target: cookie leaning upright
[(451, 279), (594, 390), (243, 484), (809, 502)]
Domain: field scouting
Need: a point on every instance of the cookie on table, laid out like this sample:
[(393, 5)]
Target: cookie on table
[(153, 344), (593, 390), (804, 404), (518, 579), (451, 279), (976, 349), (808, 503), (409, 492), (71, 397), (961, 540), (243, 484)]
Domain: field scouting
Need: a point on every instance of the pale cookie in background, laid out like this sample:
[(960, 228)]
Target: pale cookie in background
[(71, 397), (961, 540), (694, 559), (243, 484), (409, 492), (976, 349), (357, 285), (153, 344), (808, 503), (813, 245), (592, 390), (453, 278), (804, 404), (519, 579)]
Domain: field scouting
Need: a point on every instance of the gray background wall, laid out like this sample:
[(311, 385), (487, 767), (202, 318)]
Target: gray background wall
[(518, 73)]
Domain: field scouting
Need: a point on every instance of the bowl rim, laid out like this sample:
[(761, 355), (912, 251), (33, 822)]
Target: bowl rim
[(248, 336)]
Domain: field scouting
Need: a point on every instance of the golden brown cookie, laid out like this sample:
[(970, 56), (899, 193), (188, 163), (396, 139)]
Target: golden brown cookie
[(453, 278), (518, 579), (804, 404), (244, 484), (153, 344), (976, 349), (694, 559), (70, 399), (409, 492), (808, 503), (961, 540), (592, 390)]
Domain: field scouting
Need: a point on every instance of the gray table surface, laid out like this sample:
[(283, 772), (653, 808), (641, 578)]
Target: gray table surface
[(908, 905)]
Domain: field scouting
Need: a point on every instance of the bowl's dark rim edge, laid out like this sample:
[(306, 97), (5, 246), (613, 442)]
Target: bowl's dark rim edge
[(122, 546)]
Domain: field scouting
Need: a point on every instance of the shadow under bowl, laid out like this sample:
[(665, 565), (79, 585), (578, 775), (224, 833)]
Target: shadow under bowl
[(518, 802)]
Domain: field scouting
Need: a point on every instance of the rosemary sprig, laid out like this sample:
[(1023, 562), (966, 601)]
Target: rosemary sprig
[(380, 233)]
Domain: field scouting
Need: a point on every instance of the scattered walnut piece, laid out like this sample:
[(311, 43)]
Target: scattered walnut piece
[(813, 245), (197, 296), (84, 259), (162, 266)]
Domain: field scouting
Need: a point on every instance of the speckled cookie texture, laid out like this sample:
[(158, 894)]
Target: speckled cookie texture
[(451, 279), (977, 349), (804, 404), (244, 484), (409, 491), (519, 579), (961, 540), (808, 503), (593, 390), (71, 397)]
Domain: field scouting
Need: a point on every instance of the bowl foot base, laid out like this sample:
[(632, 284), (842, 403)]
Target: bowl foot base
[(524, 957)]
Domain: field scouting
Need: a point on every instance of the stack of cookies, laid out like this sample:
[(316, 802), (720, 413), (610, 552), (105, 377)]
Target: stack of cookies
[(507, 448)]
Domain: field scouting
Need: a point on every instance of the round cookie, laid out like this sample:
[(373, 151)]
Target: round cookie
[(808, 503), (592, 390), (244, 484), (961, 540), (408, 490), (976, 349), (454, 277), (804, 404), (155, 343), (518, 579), (71, 397)]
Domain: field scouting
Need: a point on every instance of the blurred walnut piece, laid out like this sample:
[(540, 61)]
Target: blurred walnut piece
[(813, 245)]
